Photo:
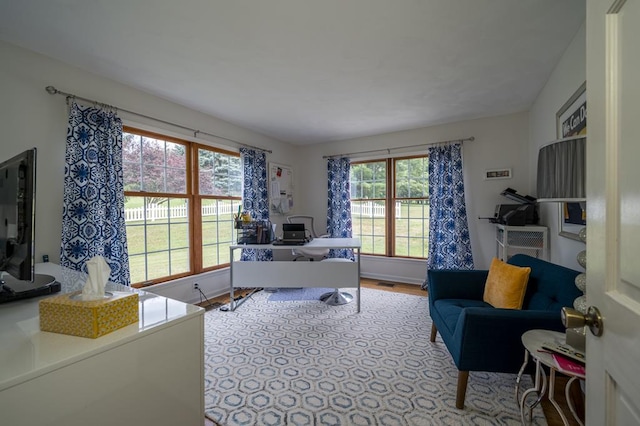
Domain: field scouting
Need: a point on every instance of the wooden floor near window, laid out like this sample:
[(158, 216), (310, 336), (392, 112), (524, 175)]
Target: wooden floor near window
[(553, 418), (393, 287)]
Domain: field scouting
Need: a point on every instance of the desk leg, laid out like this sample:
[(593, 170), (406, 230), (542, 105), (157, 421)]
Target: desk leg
[(539, 388), (232, 302), (567, 395), (552, 380), (358, 281), (520, 373)]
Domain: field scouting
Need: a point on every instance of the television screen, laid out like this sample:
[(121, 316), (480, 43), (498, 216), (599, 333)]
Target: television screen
[(17, 215), (17, 231)]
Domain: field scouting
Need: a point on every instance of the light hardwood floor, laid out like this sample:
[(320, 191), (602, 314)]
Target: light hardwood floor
[(553, 419)]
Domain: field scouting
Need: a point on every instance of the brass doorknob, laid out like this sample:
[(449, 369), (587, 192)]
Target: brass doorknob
[(572, 318)]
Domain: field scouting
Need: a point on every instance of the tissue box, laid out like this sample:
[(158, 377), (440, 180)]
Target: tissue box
[(94, 318)]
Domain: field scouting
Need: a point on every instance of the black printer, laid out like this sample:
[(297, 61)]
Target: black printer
[(525, 213)]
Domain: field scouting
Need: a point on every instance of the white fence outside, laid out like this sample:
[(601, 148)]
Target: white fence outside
[(156, 212), (371, 209)]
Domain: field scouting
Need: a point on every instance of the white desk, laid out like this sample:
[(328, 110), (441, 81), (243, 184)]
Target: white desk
[(288, 274), (151, 372)]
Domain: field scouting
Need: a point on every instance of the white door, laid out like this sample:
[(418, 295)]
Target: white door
[(613, 210)]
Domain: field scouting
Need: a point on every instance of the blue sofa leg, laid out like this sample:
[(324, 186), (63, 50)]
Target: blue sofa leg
[(463, 377)]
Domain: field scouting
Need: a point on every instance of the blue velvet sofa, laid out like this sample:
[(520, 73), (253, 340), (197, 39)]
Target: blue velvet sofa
[(483, 338)]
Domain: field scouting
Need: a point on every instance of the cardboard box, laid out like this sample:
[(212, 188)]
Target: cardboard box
[(94, 318)]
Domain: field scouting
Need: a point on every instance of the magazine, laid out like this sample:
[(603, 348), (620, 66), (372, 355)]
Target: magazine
[(568, 366)]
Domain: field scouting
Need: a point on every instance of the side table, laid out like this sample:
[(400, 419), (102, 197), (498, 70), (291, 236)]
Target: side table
[(533, 341)]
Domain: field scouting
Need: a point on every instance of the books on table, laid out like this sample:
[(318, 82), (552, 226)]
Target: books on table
[(567, 365)]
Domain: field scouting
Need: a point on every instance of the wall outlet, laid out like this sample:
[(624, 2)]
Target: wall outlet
[(196, 287)]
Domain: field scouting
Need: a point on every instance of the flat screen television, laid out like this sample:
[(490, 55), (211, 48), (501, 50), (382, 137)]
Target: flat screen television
[(17, 230)]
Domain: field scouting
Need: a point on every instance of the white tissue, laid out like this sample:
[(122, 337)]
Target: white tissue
[(98, 271)]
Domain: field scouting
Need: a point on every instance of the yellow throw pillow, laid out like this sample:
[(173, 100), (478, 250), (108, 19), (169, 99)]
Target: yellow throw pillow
[(506, 285)]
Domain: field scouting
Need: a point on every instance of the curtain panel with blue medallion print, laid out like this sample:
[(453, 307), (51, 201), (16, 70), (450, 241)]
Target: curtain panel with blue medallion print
[(93, 207)]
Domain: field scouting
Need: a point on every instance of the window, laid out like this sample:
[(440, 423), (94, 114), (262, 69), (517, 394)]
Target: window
[(179, 204), (219, 195), (369, 205), (390, 206)]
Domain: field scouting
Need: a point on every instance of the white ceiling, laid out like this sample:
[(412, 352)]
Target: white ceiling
[(306, 71)]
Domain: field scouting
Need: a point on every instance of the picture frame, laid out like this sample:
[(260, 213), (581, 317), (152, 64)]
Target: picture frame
[(493, 174), (571, 219), (571, 120)]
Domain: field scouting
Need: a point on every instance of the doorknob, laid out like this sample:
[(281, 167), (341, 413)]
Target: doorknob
[(572, 318)]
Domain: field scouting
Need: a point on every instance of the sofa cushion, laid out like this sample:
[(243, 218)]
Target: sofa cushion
[(449, 311), (551, 286), (506, 285)]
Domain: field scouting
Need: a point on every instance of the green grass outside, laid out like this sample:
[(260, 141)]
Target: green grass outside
[(167, 253), (410, 229), (167, 246)]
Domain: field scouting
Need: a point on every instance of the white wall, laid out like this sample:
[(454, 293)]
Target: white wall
[(568, 75), (500, 142), (30, 117)]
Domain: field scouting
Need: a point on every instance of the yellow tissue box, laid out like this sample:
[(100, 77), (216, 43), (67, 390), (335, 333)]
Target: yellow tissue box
[(94, 318)]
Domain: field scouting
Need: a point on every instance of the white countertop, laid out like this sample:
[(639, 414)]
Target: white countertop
[(316, 243), (26, 352)]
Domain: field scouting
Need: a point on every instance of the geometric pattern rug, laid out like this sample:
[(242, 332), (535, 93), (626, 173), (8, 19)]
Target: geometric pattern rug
[(308, 363)]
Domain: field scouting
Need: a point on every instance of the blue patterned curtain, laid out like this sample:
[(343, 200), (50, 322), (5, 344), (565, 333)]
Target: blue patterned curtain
[(93, 207), (339, 203), (449, 243), (255, 198)]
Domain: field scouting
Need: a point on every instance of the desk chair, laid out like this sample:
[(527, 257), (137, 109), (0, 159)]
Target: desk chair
[(307, 253), (336, 297), (332, 298)]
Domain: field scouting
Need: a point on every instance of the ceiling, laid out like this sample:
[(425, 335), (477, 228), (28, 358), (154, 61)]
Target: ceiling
[(305, 71)]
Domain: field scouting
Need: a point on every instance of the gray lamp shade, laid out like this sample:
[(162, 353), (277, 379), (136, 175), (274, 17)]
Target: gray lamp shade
[(561, 170)]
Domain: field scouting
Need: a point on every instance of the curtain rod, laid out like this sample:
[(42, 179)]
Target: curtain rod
[(53, 91), (388, 150)]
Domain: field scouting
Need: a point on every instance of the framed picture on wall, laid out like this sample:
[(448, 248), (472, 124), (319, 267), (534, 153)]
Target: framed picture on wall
[(497, 174), (571, 120), (572, 218)]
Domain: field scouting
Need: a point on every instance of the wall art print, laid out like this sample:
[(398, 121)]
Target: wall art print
[(571, 120)]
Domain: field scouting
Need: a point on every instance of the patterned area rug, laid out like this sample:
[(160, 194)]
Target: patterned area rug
[(305, 363)]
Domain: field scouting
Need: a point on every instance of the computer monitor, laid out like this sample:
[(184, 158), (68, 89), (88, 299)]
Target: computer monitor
[(17, 215), (17, 230)]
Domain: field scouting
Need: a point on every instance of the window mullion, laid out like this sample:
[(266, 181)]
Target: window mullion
[(195, 202)]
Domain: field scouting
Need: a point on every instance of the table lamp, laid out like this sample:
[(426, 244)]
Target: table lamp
[(561, 179)]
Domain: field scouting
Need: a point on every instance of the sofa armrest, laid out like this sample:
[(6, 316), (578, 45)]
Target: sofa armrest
[(456, 284), (491, 339)]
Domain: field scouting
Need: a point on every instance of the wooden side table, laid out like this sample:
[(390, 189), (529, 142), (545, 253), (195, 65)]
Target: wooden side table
[(533, 340)]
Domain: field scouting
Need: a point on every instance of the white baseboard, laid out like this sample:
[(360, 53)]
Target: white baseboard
[(402, 270), (216, 283), (212, 284), (393, 278)]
